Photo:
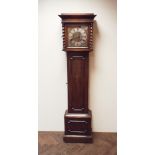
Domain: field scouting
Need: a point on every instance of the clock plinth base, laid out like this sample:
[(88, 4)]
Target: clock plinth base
[(78, 127), (77, 139)]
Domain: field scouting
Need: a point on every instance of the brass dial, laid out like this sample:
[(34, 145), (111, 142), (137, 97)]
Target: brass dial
[(77, 36)]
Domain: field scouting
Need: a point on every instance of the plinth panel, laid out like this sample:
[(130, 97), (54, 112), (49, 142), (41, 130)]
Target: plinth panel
[(78, 127)]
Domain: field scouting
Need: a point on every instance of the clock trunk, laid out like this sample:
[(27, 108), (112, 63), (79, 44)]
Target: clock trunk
[(77, 66)]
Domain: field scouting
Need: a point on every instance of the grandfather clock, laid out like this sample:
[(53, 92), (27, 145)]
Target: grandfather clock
[(77, 43)]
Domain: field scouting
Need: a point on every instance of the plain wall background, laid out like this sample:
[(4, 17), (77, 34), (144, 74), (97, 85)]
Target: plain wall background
[(53, 67)]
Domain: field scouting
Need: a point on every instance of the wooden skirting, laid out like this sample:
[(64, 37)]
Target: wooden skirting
[(51, 143)]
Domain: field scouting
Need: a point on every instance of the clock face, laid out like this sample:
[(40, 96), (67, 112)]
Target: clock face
[(78, 36)]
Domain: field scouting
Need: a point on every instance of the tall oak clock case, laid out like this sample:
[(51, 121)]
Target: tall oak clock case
[(77, 43)]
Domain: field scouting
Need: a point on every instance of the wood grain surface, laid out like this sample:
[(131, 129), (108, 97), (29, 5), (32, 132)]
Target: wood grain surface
[(51, 143)]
